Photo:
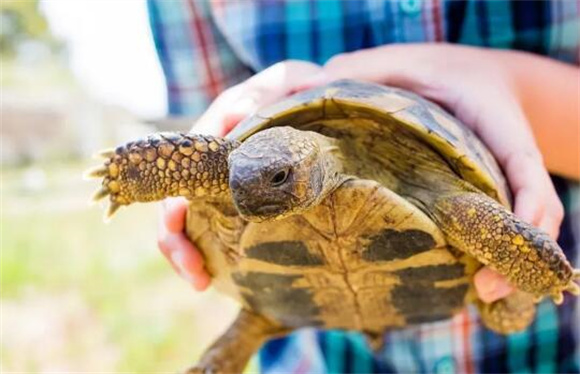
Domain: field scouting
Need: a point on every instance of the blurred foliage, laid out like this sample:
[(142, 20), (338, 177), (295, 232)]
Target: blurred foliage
[(22, 23), (79, 295), (32, 56)]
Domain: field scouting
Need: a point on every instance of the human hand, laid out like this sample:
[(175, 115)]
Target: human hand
[(478, 89), (227, 110)]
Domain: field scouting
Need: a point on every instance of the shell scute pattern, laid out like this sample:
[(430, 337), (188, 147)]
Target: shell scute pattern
[(352, 89), (453, 141)]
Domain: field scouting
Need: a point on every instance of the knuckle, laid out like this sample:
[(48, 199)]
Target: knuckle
[(199, 285), (557, 209), (298, 67), (258, 93), (532, 153), (294, 62), (260, 86), (234, 92), (162, 245), (337, 63), (287, 65), (525, 155)]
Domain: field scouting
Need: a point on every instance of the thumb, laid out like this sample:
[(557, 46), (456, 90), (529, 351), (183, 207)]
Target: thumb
[(319, 79), (240, 110), (491, 286)]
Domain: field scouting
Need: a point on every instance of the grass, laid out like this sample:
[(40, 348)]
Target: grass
[(100, 296)]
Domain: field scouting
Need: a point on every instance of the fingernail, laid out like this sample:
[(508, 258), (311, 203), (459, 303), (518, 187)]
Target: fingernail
[(548, 226), (178, 258), (489, 287), (494, 290), (502, 289), (200, 284)]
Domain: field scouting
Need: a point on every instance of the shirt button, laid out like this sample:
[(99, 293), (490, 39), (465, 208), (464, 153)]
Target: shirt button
[(445, 365), (411, 7)]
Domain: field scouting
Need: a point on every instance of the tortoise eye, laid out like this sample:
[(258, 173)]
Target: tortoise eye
[(280, 177)]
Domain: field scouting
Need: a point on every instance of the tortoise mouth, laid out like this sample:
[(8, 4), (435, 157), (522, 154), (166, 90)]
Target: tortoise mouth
[(264, 212), (273, 211)]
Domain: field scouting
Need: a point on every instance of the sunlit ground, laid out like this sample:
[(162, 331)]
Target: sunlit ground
[(79, 295)]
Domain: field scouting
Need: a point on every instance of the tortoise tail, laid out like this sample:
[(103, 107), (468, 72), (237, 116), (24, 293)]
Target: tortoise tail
[(163, 165)]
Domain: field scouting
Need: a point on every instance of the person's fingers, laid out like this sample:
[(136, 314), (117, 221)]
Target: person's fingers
[(277, 82), (514, 146), (185, 259), (284, 76), (414, 67), (202, 281), (211, 121), (318, 79), (182, 253), (224, 113), (246, 98), (526, 178), (554, 211), (491, 286), (173, 212), (241, 109), (536, 200)]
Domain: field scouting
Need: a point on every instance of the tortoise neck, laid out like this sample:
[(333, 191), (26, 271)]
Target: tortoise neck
[(332, 158)]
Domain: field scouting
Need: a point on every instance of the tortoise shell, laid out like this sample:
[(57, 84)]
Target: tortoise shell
[(366, 258)]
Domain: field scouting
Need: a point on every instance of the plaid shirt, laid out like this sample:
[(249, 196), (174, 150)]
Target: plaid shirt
[(206, 46)]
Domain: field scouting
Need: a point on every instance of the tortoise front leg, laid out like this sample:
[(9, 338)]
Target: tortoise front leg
[(164, 165), (527, 256), (232, 351)]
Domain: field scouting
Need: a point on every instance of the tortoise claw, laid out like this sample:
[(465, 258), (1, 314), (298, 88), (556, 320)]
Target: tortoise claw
[(573, 288), (558, 298), (100, 194), (96, 172), (105, 153), (113, 207)]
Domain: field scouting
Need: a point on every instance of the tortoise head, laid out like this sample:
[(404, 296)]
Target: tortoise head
[(281, 171)]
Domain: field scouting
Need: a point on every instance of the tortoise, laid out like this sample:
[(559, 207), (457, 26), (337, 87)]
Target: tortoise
[(350, 206)]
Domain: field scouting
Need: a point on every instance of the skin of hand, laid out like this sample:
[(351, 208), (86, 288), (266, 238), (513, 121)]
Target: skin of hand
[(472, 83)]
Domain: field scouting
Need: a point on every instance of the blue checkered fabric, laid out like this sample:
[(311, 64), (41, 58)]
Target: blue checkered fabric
[(206, 46)]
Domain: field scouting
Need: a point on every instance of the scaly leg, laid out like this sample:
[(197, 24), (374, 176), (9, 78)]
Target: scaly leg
[(511, 314), (527, 256), (231, 352), (164, 165)]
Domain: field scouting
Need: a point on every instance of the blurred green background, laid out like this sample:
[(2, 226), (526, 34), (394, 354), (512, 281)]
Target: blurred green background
[(79, 295)]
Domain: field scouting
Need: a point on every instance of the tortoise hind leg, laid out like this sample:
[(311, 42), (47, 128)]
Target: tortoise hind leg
[(508, 315), (231, 352)]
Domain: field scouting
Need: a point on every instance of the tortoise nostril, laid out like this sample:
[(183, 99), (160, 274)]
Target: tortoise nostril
[(235, 185)]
